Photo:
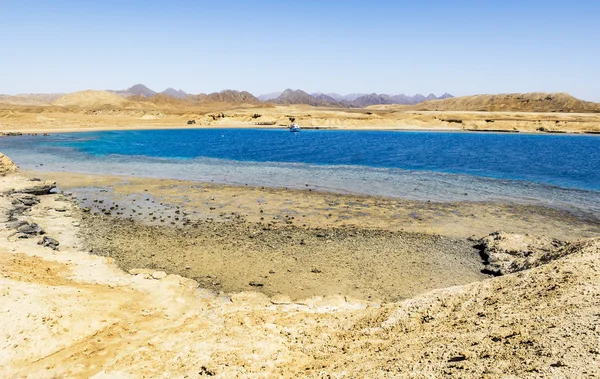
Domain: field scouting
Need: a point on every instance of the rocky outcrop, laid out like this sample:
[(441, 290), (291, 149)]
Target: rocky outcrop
[(506, 253), (40, 188), (7, 166)]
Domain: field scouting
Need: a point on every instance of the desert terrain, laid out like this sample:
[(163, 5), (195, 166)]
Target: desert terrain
[(102, 110), (127, 277), (82, 299)]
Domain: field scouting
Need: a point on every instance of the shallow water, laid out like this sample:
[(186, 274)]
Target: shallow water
[(556, 170)]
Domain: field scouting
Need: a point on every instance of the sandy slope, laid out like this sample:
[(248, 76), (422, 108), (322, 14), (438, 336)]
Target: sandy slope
[(70, 314)]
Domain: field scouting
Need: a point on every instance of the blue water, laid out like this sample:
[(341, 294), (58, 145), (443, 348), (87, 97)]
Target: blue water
[(424, 165)]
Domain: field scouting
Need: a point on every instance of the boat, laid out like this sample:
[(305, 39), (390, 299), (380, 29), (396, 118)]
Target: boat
[(294, 127)]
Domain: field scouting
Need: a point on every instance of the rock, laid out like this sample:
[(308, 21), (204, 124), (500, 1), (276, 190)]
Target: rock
[(7, 166), (506, 253), (60, 208), (15, 224), (39, 189), (256, 284), (281, 299), (137, 271), (159, 275), (33, 229), (251, 298), (25, 199), (49, 242)]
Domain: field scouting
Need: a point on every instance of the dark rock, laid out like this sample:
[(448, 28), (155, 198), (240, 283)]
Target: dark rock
[(25, 199), (256, 284), (33, 229), (49, 242)]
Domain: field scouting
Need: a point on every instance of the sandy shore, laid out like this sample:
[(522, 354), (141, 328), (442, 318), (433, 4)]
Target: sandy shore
[(69, 313)]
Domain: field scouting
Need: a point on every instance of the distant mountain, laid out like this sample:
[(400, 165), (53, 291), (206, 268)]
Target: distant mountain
[(352, 100), (378, 99), (353, 96), (373, 99), (227, 96), (136, 90), (178, 94), (290, 96), (269, 96)]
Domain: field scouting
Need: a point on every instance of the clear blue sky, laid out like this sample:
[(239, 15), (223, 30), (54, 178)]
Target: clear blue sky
[(462, 47)]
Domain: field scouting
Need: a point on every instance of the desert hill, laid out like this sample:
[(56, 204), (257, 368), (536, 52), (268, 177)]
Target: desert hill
[(290, 96), (90, 99), (228, 96), (516, 102)]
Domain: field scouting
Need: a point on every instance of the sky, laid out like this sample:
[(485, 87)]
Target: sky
[(419, 46)]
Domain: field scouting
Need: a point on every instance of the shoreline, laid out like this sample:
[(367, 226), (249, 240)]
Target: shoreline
[(74, 314), (380, 128)]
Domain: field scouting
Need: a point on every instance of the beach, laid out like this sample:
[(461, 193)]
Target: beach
[(72, 302)]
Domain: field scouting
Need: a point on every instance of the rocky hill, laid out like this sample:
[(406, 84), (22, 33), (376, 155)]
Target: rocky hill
[(516, 102), (227, 96), (290, 96), (348, 101)]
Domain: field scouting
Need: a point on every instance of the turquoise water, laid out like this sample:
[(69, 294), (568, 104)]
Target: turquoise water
[(557, 170)]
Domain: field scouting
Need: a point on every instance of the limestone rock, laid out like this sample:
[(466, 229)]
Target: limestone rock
[(25, 199), (38, 189), (506, 253), (7, 166), (281, 299), (159, 275)]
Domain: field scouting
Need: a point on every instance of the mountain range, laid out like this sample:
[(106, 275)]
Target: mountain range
[(289, 96)]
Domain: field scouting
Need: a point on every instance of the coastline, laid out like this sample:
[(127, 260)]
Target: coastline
[(65, 305), (53, 119), (133, 127)]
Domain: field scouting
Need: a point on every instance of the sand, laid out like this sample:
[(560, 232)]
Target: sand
[(68, 313)]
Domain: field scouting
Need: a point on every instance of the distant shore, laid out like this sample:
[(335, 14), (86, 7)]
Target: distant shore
[(64, 119)]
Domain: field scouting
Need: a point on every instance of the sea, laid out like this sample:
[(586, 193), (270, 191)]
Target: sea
[(558, 170)]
